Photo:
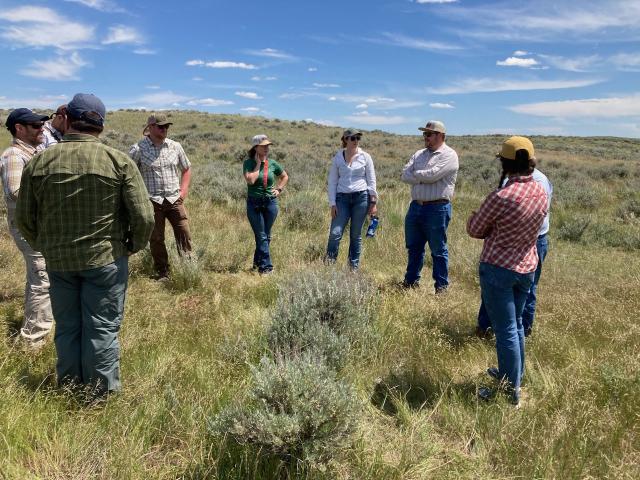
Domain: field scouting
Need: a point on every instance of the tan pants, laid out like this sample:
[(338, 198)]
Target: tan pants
[(38, 319)]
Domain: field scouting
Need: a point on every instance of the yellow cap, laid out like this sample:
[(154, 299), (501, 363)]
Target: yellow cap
[(512, 145)]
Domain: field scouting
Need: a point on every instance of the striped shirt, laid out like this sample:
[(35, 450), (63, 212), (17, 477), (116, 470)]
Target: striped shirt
[(509, 220), (12, 162), (432, 175), (51, 135), (159, 167), (83, 204), (357, 176)]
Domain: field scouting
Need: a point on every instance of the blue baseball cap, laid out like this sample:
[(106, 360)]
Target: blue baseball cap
[(24, 116), (87, 107)]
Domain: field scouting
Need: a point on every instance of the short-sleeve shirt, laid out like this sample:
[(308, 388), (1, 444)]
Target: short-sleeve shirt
[(160, 167), (258, 190)]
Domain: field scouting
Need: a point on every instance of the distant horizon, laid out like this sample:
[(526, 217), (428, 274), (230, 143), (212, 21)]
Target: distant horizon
[(550, 67)]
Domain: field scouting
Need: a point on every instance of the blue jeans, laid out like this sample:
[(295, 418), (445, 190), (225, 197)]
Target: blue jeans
[(427, 223), (504, 293), (262, 213), (350, 207), (542, 245), (88, 306)]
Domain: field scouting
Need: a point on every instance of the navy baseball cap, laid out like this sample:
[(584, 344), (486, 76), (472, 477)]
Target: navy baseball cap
[(24, 116), (87, 107)]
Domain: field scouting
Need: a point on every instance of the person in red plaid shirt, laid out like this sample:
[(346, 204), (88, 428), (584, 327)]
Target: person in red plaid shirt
[(509, 220)]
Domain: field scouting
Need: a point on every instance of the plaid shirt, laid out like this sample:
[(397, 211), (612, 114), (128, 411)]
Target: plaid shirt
[(159, 167), (509, 221), (12, 162), (83, 204)]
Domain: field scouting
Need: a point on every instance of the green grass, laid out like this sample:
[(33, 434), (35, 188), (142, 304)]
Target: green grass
[(188, 347)]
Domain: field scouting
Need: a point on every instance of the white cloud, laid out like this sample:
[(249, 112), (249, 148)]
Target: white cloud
[(59, 68), (364, 118), (263, 79), (518, 62), (312, 69), (241, 65), (326, 123), (102, 5), (249, 95), (332, 99), (362, 106), (520, 53), (209, 102), (591, 108), (326, 85), (475, 85), (197, 79), (441, 105), (123, 34), (626, 61), (271, 53), (152, 87), (399, 40), (250, 109), (145, 51), (42, 27), (220, 64), (162, 99), (577, 64), (41, 103)]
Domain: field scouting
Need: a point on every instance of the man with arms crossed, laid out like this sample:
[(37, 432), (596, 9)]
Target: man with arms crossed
[(84, 205), (26, 129), (432, 173), (166, 171)]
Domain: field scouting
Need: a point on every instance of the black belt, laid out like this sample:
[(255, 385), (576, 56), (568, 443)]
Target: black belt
[(441, 201)]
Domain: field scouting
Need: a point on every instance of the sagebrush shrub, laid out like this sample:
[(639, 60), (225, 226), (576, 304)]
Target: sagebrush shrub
[(303, 211), (297, 410), (327, 312)]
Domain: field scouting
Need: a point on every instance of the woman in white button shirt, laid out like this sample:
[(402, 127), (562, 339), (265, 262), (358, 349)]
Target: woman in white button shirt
[(352, 195)]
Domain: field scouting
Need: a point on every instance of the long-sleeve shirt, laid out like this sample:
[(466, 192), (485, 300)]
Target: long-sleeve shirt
[(12, 162), (83, 204), (51, 135), (160, 167), (348, 178), (432, 174), (509, 221)]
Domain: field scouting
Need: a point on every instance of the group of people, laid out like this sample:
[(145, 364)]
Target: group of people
[(77, 209)]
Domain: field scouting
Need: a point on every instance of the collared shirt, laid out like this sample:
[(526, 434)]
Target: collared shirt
[(12, 162), (159, 167), (83, 204), (544, 182), (51, 135), (509, 220), (357, 176), (432, 175)]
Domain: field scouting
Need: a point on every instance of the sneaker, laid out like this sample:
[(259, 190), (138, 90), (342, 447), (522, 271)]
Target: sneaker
[(406, 285), (483, 333), (494, 373), (266, 271), (486, 393), (442, 290)]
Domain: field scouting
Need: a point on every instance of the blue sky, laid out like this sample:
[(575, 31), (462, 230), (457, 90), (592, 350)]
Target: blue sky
[(529, 67)]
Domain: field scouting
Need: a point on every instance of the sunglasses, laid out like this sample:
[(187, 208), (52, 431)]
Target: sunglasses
[(429, 134), (162, 127), (353, 138), (37, 125)]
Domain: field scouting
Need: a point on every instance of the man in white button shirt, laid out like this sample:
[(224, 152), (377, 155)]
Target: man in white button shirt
[(432, 173)]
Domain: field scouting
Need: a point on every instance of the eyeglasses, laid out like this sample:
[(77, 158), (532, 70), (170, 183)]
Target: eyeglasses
[(162, 127), (37, 125), (353, 138), (55, 114), (428, 134)]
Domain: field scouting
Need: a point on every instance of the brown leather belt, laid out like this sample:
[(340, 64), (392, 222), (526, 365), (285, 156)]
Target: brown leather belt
[(442, 201)]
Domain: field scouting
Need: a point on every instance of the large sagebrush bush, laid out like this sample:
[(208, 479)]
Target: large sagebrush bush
[(328, 312), (297, 410)]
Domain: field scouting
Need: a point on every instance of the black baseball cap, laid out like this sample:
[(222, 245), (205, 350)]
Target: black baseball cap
[(24, 116)]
